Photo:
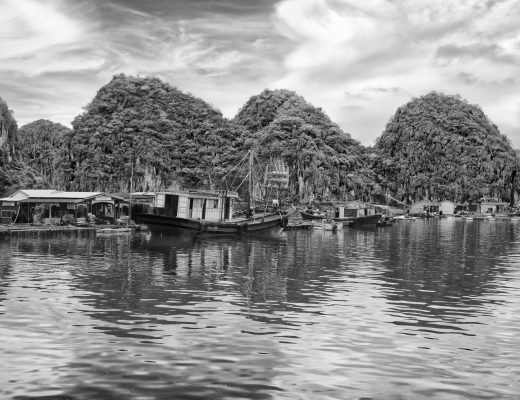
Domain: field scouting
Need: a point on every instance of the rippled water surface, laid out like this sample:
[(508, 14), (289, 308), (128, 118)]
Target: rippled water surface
[(421, 310)]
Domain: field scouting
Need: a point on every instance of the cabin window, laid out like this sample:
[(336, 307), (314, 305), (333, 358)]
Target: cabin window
[(215, 203)]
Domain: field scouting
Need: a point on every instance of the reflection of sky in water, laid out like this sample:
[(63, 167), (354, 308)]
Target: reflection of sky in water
[(423, 309)]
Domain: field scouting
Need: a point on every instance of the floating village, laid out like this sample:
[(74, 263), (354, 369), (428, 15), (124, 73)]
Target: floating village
[(213, 212)]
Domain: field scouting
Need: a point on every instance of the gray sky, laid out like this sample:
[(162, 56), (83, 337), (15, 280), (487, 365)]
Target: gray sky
[(357, 60)]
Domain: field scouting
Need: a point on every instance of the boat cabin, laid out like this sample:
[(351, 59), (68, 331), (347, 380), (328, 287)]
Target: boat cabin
[(196, 204)]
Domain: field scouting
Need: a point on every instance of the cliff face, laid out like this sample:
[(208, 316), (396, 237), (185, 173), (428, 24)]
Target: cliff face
[(441, 147)]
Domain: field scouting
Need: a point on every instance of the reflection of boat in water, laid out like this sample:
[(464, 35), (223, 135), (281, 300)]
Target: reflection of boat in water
[(113, 230), (404, 218)]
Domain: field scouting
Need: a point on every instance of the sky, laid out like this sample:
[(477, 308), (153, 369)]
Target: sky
[(359, 60)]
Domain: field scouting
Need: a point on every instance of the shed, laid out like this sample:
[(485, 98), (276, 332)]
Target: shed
[(447, 207), (493, 206), (424, 206), (27, 205)]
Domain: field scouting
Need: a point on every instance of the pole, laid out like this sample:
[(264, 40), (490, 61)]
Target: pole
[(251, 188), (131, 190)]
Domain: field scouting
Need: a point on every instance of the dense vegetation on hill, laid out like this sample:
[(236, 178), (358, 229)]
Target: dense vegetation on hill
[(8, 130), (42, 146), (147, 129), (440, 147), (144, 134), (13, 174), (321, 158)]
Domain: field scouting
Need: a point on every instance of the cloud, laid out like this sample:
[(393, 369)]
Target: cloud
[(371, 57), (65, 49), (492, 52), (358, 60)]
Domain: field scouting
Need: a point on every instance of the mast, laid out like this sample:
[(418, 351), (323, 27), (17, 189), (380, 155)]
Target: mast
[(251, 183)]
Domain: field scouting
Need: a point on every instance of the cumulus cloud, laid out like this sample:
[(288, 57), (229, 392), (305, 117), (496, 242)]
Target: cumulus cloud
[(52, 49), (361, 60), (358, 60)]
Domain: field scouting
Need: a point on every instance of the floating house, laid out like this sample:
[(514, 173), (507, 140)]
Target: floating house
[(33, 206), (493, 206), (424, 206), (356, 209), (447, 207)]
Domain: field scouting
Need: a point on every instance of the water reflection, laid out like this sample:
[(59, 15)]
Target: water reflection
[(440, 276), (412, 309)]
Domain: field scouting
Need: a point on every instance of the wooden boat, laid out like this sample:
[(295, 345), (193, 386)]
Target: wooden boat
[(362, 220), (327, 225), (212, 212), (314, 216), (208, 212)]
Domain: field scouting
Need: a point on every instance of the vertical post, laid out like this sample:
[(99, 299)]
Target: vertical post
[(251, 183), (131, 190)]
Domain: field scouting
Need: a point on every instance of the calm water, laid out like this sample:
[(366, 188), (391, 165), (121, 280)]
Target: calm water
[(420, 310)]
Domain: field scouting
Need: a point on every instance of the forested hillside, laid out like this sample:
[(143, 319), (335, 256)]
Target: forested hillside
[(42, 145), (322, 159), (145, 128), (13, 174), (144, 134), (440, 147)]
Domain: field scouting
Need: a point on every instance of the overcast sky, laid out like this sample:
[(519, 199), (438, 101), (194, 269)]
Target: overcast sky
[(356, 59)]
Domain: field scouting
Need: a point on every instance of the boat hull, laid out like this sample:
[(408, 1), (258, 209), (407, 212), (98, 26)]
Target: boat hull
[(367, 220), (314, 217), (214, 227)]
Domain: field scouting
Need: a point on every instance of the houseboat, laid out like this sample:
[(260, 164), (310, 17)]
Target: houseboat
[(206, 211), (351, 214)]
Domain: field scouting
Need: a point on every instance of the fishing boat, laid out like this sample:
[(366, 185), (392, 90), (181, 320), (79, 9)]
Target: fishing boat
[(347, 216), (327, 225), (309, 215), (213, 211), (208, 212)]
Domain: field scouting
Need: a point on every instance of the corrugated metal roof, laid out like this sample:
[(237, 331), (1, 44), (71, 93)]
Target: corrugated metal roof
[(26, 194)]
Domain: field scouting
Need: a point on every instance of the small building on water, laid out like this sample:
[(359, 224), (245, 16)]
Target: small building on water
[(493, 206), (34, 206), (356, 209), (447, 207), (424, 206)]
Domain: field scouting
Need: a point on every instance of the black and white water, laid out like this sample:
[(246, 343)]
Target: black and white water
[(419, 310)]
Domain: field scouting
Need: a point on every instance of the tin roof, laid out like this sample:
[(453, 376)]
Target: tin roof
[(34, 194)]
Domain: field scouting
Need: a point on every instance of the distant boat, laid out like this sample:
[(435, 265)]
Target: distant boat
[(327, 225), (312, 216), (362, 220)]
